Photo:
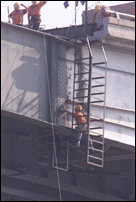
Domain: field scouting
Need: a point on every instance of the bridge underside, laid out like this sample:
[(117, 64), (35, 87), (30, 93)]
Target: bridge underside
[(23, 138), (38, 132), (20, 167)]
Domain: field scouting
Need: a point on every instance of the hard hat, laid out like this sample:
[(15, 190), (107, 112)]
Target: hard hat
[(78, 107), (98, 8), (34, 2), (16, 5)]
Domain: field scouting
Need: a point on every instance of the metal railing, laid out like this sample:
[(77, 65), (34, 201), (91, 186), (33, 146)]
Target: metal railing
[(118, 14)]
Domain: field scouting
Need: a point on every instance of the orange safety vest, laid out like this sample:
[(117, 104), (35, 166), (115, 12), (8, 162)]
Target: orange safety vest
[(79, 117), (35, 9), (18, 16)]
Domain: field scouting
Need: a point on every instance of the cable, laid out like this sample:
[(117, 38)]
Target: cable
[(77, 12), (95, 4), (52, 120), (72, 21)]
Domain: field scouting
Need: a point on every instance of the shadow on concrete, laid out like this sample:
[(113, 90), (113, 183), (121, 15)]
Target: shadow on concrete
[(27, 90)]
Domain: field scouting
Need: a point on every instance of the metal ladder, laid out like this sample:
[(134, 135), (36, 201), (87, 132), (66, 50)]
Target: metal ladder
[(97, 96), (89, 89)]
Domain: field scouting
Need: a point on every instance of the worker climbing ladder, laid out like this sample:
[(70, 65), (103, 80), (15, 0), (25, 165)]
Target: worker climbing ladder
[(89, 89)]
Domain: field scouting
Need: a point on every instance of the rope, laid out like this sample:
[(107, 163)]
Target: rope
[(52, 120), (94, 4)]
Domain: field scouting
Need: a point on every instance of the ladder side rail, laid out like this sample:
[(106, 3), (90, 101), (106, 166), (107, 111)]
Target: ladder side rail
[(89, 93), (75, 37), (63, 169), (74, 83), (90, 51), (89, 104), (104, 54), (104, 103), (121, 14)]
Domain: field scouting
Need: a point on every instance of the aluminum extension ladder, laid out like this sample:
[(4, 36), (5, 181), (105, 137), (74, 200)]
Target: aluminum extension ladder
[(89, 90)]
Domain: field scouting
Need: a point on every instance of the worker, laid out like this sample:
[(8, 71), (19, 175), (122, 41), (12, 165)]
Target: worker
[(17, 14), (34, 13), (81, 123), (103, 10)]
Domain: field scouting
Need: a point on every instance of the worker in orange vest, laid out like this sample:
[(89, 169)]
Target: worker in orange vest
[(81, 123), (103, 10), (17, 14), (34, 13)]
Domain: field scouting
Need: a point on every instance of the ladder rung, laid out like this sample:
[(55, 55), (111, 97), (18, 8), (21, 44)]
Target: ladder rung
[(99, 63), (96, 149), (96, 128), (81, 81), (81, 59), (95, 157), (95, 164), (98, 78), (81, 73), (96, 141), (93, 120), (97, 86), (98, 93), (97, 101), (81, 89), (95, 133), (80, 97)]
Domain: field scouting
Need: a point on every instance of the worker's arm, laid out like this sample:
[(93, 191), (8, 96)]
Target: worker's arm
[(70, 113), (42, 3), (23, 6), (10, 15)]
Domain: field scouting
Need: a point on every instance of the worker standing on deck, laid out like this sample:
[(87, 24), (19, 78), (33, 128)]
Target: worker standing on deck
[(34, 13), (80, 121), (103, 10), (17, 14)]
